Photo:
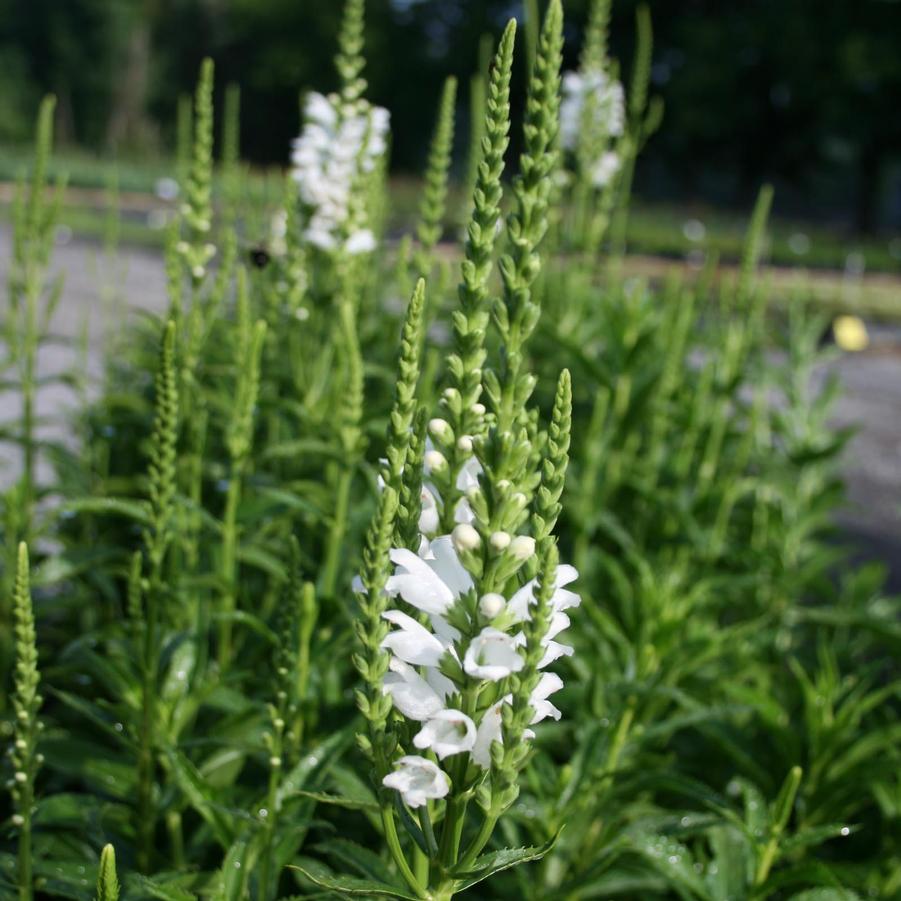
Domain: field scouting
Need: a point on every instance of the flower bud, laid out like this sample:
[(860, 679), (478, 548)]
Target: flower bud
[(500, 540), (503, 484), (465, 537), (434, 461), (520, 499), (478, 409), (491, 605), (522, 547), (464, 444), (438, 427)]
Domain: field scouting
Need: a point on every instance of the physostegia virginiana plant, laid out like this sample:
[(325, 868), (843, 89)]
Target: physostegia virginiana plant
[(462, 595)]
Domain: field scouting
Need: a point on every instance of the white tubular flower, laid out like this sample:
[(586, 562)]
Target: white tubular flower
[(432, 580), (554, 651), (418, 780), (468, 476), (412, 695), (538, 701), (489, 731), (447, 732), (418, 584), (412, 642), (492, 655), (362, 241), (428, 517), (562, 599), (605, 169)]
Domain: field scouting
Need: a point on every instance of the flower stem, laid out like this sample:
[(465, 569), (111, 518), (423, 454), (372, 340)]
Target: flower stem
[(229, 551), (335, 544), (398, 854)]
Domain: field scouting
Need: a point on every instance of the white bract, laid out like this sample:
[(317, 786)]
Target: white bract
[(336, 148)]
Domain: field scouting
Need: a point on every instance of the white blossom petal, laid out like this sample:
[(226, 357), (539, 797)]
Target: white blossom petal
[(412, 695), (538, 700), (418, 583), (489, 730), (412, 643)]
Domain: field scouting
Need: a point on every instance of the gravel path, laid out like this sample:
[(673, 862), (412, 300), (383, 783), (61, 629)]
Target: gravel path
[(870, 401)]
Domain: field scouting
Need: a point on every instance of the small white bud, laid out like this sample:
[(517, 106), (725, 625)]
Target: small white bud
[(465, 537), (279, 723), (464, 444), (503, 484), (438, 427), (182, 247), (450, 393), (522, 547), (20, 777), (18, 819), (478, 409), (21, 744), (491, 605), (198, 271), (434, 461), (500, 540), (520, 499), (473, 492), (275, 762)]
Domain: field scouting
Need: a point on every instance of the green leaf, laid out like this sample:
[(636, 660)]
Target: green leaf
[(337, 800), (497, 861), (355, 857), (673, 861), (315, 762), (163, 891), (118, 506), (201, 797), (319, 875), (826, 894)]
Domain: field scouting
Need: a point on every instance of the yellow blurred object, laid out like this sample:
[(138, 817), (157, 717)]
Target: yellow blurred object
[(850, 333)]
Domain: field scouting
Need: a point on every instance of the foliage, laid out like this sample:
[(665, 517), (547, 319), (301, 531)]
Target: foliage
[(218, 698)]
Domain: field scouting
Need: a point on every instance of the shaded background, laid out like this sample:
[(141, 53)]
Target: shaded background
[(806, 93)]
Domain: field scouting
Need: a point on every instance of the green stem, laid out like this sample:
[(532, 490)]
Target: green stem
[(229, 555), (335, 543), (397, 852), (482, 839), (271, 816), (24, 850)]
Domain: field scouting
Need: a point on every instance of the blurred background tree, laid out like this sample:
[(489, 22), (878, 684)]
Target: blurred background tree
[(800, 92)]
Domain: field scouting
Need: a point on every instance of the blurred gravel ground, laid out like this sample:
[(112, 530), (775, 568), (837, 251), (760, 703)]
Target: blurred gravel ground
[(108, 295)]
